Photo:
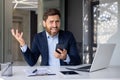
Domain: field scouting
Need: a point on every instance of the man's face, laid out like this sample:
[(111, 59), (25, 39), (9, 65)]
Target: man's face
[(52, 24)]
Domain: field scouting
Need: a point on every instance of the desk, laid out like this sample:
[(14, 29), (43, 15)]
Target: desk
[(112, 73)]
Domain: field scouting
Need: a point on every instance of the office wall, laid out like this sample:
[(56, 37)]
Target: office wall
[(1, 30), (73, 18), (5, 24), (6, 31), (77, 19), (20, 21), (40, 14)]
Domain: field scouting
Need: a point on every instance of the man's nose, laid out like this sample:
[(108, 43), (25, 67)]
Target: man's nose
[(54, 24)]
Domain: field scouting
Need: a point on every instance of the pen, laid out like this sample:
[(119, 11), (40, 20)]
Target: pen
[(34, 71), (51, 74), (6, 68), (42, 74)]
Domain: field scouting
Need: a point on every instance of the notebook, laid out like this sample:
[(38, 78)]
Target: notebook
[(101, 59)]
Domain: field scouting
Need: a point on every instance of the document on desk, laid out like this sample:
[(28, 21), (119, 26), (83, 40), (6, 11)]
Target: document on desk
[(38, 72)]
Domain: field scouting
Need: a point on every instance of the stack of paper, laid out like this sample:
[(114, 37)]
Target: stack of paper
[(38, 72)]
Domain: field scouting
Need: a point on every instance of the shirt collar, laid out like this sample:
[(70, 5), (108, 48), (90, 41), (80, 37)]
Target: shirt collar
[(49, 36)]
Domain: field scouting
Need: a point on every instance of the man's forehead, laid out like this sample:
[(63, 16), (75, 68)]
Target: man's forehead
[(53, 17)]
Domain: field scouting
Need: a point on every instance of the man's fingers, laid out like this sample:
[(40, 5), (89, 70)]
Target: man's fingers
[(62, 55), (18, 36), (17, 32), (59, 50), (12, 31), (64, 51), (21, 34), (57, 55)]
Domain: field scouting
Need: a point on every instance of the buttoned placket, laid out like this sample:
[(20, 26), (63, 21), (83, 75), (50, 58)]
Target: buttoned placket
[(52, 41)]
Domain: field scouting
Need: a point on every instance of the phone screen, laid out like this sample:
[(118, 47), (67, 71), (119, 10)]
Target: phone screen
[(69, 72)]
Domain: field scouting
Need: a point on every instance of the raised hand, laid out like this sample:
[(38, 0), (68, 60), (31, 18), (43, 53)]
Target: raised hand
[(18, 36)]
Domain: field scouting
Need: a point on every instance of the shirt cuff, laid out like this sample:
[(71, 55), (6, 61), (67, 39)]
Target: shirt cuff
[(67, 60), (24, 48)]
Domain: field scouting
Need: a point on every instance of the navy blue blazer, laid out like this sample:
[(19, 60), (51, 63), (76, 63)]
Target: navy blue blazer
[(40, 47)]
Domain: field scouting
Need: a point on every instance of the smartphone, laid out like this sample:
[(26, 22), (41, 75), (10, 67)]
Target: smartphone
[(68, 72), (59, 46)]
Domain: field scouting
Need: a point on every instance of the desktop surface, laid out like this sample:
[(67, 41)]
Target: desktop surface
[(112, 72)]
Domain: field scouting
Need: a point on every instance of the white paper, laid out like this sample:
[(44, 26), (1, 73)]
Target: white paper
[(39, 72)]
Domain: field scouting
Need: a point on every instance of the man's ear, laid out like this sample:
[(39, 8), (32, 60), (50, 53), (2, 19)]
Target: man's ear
[(44, 23)]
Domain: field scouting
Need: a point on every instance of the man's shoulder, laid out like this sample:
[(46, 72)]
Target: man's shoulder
[(40, 34), (62, 32), (65, 32)]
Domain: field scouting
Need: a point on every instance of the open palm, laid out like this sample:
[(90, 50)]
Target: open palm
[(18, 36)]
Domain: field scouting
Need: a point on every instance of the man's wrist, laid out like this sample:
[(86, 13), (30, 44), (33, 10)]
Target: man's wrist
[(67, 59), (22, 44), (23, 48)]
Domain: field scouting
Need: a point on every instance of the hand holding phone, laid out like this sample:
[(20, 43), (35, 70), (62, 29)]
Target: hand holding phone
[(59, 46)]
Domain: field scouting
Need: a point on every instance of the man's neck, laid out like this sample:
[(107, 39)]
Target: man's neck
[(51, 35)]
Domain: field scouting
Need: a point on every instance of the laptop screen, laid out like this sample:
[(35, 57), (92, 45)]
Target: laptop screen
[(102, 56)]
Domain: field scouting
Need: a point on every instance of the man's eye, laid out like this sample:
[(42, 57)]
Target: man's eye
[(57, 21), (51, 21)]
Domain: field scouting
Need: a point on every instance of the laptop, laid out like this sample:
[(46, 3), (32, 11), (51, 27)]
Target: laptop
[(101, 59)]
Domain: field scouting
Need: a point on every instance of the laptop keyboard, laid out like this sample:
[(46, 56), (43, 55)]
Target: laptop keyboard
[(85, 67)]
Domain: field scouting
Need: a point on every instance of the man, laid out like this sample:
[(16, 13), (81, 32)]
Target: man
[(44, 43)]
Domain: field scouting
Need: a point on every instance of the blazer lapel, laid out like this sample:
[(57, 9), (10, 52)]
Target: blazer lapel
[(60, 40)]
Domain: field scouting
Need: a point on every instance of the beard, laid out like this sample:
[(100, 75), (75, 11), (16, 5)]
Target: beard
[(53, 31)]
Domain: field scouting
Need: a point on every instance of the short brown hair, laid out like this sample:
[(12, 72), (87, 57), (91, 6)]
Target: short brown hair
[(50, 12)]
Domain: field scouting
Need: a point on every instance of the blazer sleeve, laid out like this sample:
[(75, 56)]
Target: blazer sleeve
[(73, 51), (31, 55)]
